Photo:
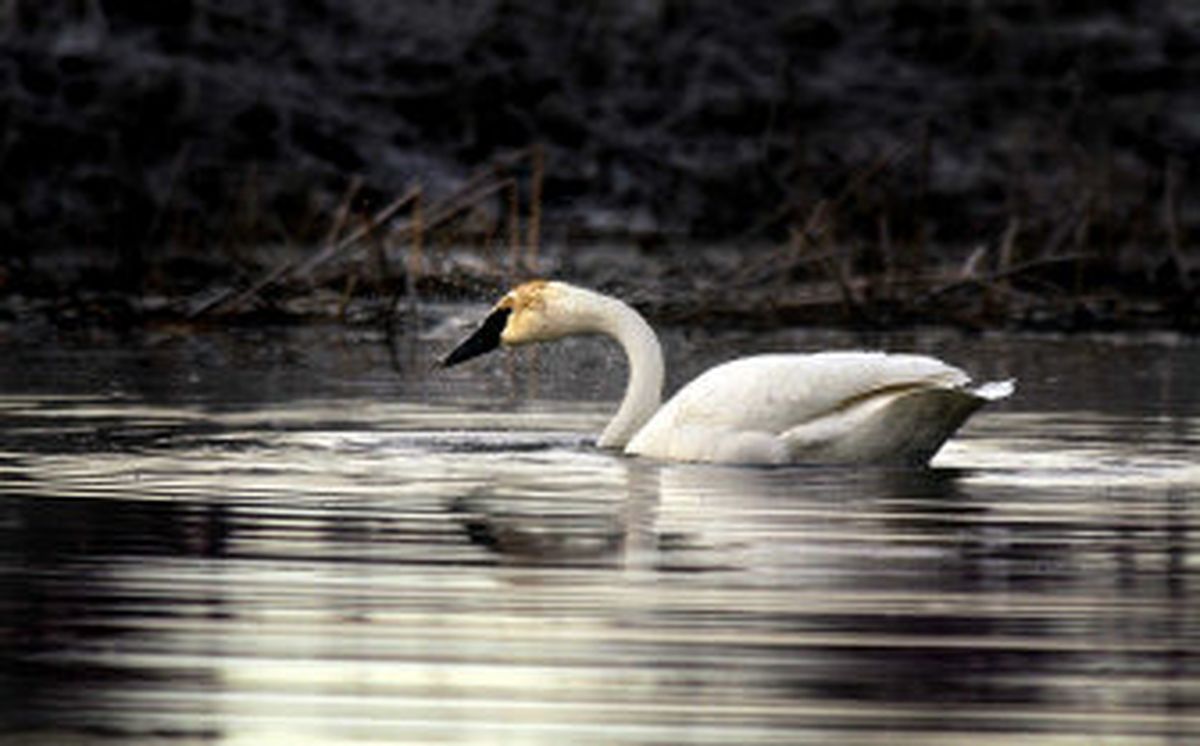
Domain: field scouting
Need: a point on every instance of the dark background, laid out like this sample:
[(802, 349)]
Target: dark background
[(132, 132)]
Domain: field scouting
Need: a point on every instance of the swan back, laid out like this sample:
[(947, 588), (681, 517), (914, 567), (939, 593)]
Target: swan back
[(776, 392), (824, 407)]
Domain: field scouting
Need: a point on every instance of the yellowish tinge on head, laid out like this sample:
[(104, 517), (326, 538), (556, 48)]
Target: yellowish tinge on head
[(525, 295), (527, 321)]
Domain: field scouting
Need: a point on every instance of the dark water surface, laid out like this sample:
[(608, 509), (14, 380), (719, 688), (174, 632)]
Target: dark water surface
[(301, 537)]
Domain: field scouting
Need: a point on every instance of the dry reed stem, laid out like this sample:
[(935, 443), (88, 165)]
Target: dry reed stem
[(514, 229), (168, 202), (378, 250), (521, 257), (839, 268), (469, 196), (810, 234), (970, 267), (815, 230), (242, 213), (415, 253), (998, 280), (482, 185), (348, 289), (536, 177), (924, 167), (886, 250), (293, 266), (1008, 244), (342, 213), (1171, 189), (366, 229)]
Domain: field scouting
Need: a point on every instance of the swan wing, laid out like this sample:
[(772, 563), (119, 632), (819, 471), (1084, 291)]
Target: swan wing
[(830, 406)]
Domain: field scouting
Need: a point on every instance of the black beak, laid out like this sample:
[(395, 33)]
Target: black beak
[(485, 339)]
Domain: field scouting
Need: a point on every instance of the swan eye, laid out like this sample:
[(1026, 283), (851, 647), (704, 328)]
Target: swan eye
[(485, 339)]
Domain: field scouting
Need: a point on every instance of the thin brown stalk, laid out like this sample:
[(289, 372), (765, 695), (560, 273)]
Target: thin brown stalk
[(295, 266), (842, 272), (534, 231), (243, 214), (886, 250), (924, 167), (1008, 244), (482, 185), (347, 294), (383, 271), (999, 278), (168, 203), (1171, 189), (514, 228), (864, 175), (366, 229), (809, 235), (416, 248), (342, 213)]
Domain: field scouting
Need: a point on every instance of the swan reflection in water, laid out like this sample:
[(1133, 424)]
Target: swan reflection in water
[(632, 511), (819, 578)]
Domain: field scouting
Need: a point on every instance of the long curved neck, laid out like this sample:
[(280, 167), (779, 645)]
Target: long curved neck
[(643, 392)]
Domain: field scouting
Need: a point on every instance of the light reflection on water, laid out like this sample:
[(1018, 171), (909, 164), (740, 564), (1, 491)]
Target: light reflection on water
[(418, 564)]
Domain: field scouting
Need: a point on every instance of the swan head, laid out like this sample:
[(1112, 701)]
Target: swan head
[(535, 311)]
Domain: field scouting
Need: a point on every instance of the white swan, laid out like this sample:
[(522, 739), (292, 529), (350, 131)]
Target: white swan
[(827, 407)]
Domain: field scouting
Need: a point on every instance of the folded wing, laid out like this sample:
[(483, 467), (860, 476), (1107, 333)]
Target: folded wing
[(830, 407)]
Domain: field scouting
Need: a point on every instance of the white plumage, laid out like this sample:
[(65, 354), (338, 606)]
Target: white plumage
[(827, 407)]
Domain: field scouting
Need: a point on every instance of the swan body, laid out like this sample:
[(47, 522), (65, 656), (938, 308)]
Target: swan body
[(825, 407)]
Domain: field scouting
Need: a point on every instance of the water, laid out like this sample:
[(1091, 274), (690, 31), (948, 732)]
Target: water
[(303, 537)]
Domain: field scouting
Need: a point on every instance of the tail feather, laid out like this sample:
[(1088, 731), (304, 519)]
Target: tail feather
[(995, 390)]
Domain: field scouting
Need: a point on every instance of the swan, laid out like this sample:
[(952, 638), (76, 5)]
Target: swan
[(824, 407)]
